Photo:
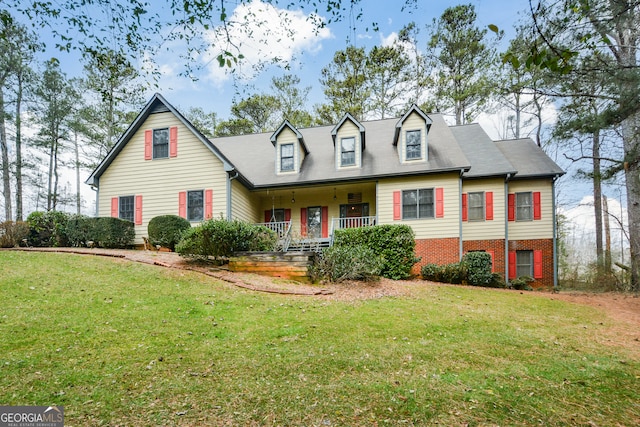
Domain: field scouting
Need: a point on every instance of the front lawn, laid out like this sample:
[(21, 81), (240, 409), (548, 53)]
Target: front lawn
[(120, 343)]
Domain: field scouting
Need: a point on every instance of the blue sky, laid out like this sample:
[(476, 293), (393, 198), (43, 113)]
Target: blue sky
[(309, 53)]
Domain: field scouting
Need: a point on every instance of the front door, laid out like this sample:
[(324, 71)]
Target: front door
[(314, 222)]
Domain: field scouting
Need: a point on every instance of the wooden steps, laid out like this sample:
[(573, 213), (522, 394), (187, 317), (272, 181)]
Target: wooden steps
[(287, 265)]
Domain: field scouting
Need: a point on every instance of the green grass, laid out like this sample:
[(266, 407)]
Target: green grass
[(119, 343)]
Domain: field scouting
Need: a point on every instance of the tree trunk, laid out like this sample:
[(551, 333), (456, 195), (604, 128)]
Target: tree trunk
[(631, 143), (4, 147), (19, 213), (597, 200), (77, 165), (607, 234)]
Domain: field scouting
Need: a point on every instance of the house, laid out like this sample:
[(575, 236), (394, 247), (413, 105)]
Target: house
[(458, 190)]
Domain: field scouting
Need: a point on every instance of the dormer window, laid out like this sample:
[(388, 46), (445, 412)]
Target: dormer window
[(413, 144), (286, 158), (348, 151), (411, 136)]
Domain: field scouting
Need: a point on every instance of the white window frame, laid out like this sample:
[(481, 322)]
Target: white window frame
[(413, 144), (195, 212), (524, 206), (421, 210), (476, 208), (343, 151), (291, 157), (160, 143)]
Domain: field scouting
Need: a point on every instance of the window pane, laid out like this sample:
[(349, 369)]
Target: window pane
[(286, 157), (195, 206), (160, 143), (524, 208), (286, 164), (348, 152), (410, 204), (125, 208), (414, 144), (425, 203), (476, 206), (286, 150), (524, 263)]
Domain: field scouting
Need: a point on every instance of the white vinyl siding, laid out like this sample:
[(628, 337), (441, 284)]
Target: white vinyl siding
[(448, 226), (535, 229), (160, 182), (486, 230)]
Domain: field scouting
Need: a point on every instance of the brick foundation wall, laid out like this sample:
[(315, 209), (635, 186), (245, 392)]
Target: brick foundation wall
[(436, 251), (497, 246), (544, 245), (446, 251)]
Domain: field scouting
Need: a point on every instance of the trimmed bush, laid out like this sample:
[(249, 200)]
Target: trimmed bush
[(47, 229), (103, 232), (449, 273), (112, 233), (12, 234), (394, 243), (220, 238), (340, 263), (166, 230), (80, 229), (478, 268)]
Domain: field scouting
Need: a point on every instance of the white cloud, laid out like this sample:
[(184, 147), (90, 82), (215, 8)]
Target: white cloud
[(389, 40), (263, 34)]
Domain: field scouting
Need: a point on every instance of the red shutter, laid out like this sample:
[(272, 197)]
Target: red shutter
[(287, 214), (489, 205), (208, 204), (439, 202), (114, 207), (512, 264), (464, 206), (303, 222), (512, 207), (537, 206), (537, 264), (493, 263), (397, 207), (173, 141), (182, 204), (138, 212), (148, 144), (325, 221)]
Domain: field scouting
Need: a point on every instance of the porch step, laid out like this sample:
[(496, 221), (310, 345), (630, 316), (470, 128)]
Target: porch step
[(316, 245)]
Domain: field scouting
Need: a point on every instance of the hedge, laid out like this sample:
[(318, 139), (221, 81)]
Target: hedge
[(167, 230), (394, 243)]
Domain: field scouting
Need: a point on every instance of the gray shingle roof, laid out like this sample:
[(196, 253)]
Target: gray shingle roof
[(528, 159), (486, 158), (254, 155)]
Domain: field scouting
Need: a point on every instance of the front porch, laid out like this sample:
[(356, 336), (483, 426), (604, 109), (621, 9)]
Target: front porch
[(305, 219), (287, 242)]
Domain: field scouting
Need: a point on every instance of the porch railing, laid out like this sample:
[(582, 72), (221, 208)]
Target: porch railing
[(361, 221), (282, 230)]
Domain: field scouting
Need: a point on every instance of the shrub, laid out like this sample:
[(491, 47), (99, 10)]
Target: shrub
[(112, 233), (218, 238), (166, 230), (47, 229), (478, 268), (394, 243), (522, 283), (80, 229), (12, 233), (340, 263)]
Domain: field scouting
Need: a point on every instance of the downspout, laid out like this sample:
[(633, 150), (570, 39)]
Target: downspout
[(506, 228), (229, 198), (555, 233), (461, 248), (97, 190)]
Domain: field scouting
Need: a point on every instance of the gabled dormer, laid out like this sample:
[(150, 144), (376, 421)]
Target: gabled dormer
[(348, 142), (412, 136), (290, 149)]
